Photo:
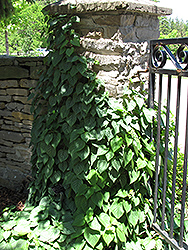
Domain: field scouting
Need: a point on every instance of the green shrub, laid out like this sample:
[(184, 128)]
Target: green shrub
[(92, 163)]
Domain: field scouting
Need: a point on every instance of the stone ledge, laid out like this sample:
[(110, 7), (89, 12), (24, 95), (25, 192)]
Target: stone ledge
[(84, 6)]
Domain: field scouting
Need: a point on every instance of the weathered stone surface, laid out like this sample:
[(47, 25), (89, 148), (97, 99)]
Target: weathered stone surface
[(15, 106), (2, 105), (10, 150), (22, 116), (20, 91), (7, 72), (11, 136), (27, 109), (10, 127), (8, 83), (6, 60), (5, 113), (35, 72), (6, 143), (2, 92), (26, 83), (4, 98), (22, 99), (83, 6)]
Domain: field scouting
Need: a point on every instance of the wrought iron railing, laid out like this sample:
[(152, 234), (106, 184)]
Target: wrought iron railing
[(160, 56)]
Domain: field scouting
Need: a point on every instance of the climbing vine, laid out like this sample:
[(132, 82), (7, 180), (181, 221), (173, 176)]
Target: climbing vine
[(92, 165)]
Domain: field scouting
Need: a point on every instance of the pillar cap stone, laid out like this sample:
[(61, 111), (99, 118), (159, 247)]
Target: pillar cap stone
[(101, 6)]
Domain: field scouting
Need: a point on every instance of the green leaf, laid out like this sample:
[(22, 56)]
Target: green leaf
[(102, 165), (57, 75), (56, 140), (48, 138), (133, 175), (127, 206), (104, 219), (140, 163), (149, 114), (131, 105), (73, 70), (116, 143), (71, 119), (69, 51), (52, 101), (116, 164), (117, 209), (121, 235), (108, 237), (97, 199), (82, 67), (133, 217), (128, 157), (89, 215), (67, 228), (79, 220), (62, 155), (102, 149), (6, 234), (66, 89), (49, 235), (92, 236), (95, 225), (75, 41), (84, 153), (56, 177), (75, 184)]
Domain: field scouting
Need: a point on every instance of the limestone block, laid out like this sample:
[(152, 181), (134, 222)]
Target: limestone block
[(2, 105), (6, 60), (127, 20), (35, 72), (7, 72), (2, 92), (146, 34), (22, 116), (26, 83), (22, 92), (6, 143), (22, 99), (4, 98), (11, 136), (10, 127), (5, 113), (15, 106), (8, 83), (9, 150), (27, 109), (109, 20), (26, 122), (12, 118), (8, 122), (26, 135), (102, 46)]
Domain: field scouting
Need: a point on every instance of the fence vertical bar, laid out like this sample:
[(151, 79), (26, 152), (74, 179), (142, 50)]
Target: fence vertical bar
[(175, 158), (184, 181), (166, 152), (158, 148)]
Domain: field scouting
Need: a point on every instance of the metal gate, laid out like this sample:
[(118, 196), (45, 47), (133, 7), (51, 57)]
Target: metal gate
[(163, 66)]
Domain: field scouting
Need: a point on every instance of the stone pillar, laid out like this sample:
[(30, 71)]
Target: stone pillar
[(115, 33)]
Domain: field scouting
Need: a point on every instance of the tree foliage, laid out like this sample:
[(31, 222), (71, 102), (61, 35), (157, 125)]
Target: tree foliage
[(173, 28)]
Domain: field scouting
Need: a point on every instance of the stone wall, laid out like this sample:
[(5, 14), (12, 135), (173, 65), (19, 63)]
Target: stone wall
[(17, 78), (114, 32)]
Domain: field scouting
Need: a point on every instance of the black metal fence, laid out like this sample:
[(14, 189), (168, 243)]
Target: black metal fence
[(169, 58)]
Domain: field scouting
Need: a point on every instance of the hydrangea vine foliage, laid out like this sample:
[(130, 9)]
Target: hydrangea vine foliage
[(91, 161)]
